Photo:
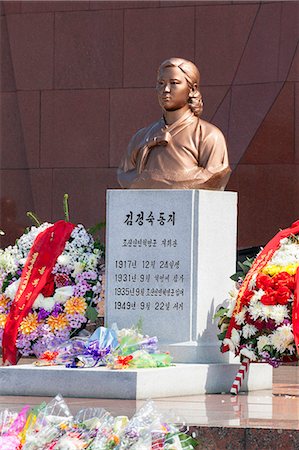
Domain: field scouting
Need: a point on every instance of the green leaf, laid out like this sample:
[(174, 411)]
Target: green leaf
[(91, 313), (97, 227), (237, 275), (221, 336), (187, 442), (220, 312)]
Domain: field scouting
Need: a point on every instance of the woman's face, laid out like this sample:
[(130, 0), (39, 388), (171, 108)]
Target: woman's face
[(172, 88)]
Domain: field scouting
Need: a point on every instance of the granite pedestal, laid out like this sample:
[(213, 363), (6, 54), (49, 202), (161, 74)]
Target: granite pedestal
[(170, 255)]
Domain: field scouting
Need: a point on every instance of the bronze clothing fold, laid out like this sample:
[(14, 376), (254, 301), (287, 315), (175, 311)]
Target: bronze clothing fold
[(189, 154)]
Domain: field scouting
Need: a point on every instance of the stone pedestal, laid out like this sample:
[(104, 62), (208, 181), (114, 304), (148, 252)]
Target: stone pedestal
[(170, 254), (100, 382)]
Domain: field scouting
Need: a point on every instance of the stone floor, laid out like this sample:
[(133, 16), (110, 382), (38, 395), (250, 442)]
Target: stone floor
[(257, 420)]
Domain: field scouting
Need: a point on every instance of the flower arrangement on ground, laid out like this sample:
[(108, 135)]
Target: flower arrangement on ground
[(52, 427), (262, 320), (50, 287)]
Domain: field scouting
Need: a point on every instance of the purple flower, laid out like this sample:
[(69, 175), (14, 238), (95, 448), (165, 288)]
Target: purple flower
[(286, 322), (150, 345), (76, 320), (81, 288), (56, 310), (272, 361), (42, 314)]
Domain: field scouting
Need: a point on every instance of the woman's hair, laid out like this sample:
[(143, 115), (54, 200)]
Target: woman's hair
[(192, 76)]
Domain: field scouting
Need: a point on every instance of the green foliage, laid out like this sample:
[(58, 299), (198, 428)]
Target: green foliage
[(139, 326), (187, 442), (95, 232), (220, 312), (244, 266), (91, 313)]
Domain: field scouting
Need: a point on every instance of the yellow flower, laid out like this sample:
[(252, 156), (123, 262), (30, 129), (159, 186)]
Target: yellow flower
[(29, 323), (273, 270), (75, 305), (3, 301), (2, 320), (57, 323)]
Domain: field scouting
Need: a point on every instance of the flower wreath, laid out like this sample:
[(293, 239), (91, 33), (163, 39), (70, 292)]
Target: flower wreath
[(262, 320), (71, 297)]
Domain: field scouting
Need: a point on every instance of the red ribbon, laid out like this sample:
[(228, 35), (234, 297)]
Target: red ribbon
[(295, 317), (48, 245), (258, 264)]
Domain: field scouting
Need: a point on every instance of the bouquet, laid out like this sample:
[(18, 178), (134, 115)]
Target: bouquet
[(71, 296), (52, 427), (117, 349), (262, 321)]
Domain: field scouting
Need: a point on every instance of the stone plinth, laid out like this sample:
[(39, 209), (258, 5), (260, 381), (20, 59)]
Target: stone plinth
[(170, 255), (100, 382)]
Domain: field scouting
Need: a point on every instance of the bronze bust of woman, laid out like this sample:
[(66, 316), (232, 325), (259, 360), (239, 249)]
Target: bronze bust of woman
[(179, 151)]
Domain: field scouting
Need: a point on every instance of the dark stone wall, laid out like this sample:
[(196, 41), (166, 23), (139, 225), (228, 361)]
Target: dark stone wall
[(78, 77)]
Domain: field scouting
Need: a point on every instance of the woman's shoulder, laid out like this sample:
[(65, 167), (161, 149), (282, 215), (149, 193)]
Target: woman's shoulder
[(210, 131), (141, 134)]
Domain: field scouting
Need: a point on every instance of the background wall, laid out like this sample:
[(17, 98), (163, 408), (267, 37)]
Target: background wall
[(77, 81)]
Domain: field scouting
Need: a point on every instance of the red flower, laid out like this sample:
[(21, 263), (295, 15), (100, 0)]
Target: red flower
[(282, 296), (264, 282), (284, 279), (49, 356), (247, 297), (124, 360), (269, 298)]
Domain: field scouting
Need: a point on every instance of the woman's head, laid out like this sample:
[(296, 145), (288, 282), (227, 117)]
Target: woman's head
[(190, 74)]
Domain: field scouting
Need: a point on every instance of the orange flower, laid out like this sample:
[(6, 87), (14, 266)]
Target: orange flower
[(75, 305), (3, 301), (29, 323), (2, 320), (57, 323)]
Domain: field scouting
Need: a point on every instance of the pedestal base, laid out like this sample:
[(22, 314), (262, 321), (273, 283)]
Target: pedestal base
[(100, 382)]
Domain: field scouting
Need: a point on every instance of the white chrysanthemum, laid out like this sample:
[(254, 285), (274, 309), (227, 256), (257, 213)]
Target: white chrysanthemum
[(251, 284), (248, 331), (263, 341), (63, 260), (8, 262), (233, 294), (240, 316), (48, 303), (279, 313), (235, 337), (255, 310), (288, 253), (62, 294), (282, 338), (257, 296), (248, 353), (38, 303), (11, 290), (266, 311), (230, 344)]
